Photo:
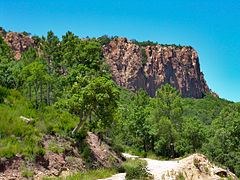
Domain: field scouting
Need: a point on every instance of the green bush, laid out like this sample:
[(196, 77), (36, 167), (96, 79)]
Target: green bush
[(85, 152), (136, 169), (41, 151)]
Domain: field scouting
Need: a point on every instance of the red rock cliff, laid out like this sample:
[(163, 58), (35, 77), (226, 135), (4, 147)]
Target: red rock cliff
[(178, 67)]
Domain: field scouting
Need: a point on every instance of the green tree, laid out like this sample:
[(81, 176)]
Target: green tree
[(224, 145), (164, 135), (137, 120), (35, 75), (93, 95), (168, 106), (50, 50), (7, 65), (194, 133), (28, 57)]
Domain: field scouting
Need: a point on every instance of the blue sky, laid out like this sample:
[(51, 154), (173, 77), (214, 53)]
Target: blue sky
[(211, 27)]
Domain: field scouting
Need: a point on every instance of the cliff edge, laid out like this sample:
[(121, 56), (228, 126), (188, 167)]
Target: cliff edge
[(149, 67)]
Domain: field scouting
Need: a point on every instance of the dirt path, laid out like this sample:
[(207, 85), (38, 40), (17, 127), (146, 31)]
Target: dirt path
[(195, 167), (155, 167), (159, 168)]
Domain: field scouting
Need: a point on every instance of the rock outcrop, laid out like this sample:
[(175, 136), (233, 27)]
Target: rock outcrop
[(18, 42), (177, 66), (62, 158)]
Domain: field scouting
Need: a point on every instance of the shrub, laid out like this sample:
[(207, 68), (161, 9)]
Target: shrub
[(41, 151), (85, 152), (136, 169)]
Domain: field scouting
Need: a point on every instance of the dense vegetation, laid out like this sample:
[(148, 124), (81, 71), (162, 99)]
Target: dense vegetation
[(170, 126), (65, 85)]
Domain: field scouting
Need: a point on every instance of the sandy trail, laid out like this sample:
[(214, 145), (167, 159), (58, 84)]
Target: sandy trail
[(195, 167), (158, 168), (155, 167)]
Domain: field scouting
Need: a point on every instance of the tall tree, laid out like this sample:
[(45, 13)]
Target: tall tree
[(35, 75), (194, 133), (168, 107), (137, 120), (7, 64), (28, 57), (50, 49)]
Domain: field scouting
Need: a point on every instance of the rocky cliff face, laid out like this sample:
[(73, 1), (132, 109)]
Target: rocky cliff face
[(178, 67), (18, 42)]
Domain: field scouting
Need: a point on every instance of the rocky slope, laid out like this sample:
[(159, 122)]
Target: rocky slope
[(62, 158), (135, 67), (176, 66)]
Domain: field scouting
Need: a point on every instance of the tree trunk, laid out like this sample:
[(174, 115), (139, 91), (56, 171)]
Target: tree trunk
[(82, 120), (172, 148), (48, 94), (78, 126), (144, 145), (41, 93), (152, 145), (36, 98), (48, 84)]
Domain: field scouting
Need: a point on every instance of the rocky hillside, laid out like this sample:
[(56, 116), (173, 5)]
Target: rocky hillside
[(62, 158), (135, 67), (149, 67)]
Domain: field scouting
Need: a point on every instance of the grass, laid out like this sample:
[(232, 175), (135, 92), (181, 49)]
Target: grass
[(54, 147), (90, 175), (18, 136), (26, 172)]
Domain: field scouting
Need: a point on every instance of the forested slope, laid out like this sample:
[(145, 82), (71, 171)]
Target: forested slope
[(65, 89)]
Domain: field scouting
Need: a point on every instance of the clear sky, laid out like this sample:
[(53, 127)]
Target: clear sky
[(212, 27)]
